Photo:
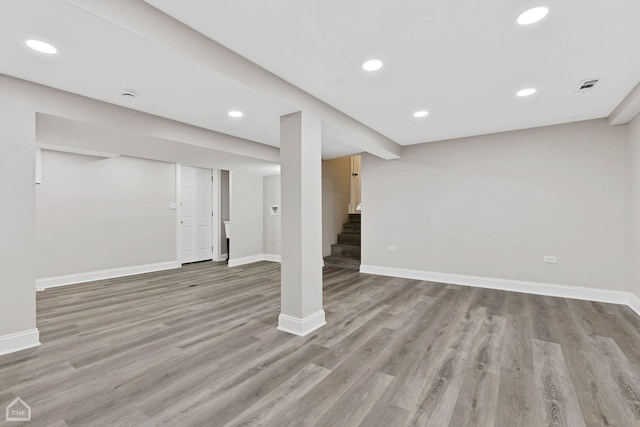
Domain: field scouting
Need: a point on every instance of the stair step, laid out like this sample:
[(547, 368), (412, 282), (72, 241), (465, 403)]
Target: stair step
[(349, 238), (354, 217), (341, 262), (349, 251), (351, 227)]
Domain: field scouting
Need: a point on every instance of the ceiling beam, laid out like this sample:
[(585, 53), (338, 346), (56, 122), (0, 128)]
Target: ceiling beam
[(154, 25), (58, 103), (71, 136), (628, 109)]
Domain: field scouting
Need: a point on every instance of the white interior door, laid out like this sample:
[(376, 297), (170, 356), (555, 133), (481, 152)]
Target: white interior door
[(355, 183), (197, 214)]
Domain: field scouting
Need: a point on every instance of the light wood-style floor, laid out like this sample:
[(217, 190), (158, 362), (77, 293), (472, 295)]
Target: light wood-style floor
[(198, 347)]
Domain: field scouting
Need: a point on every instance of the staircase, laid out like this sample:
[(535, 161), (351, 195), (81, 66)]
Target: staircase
[(346, 253)]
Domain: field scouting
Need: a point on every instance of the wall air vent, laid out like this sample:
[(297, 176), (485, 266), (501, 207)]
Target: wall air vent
[(587, 85)]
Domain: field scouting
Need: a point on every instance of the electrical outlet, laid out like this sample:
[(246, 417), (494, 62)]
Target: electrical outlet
[(392, 248), (550, 259)]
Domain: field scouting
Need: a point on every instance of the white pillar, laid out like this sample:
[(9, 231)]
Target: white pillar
[(17, 227), (301, 184)]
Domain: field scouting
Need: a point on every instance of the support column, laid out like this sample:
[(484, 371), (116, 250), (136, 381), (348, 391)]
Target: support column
[(301, 183), (17, 227)]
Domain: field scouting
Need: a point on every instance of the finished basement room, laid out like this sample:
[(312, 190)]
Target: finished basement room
[(292, 213)]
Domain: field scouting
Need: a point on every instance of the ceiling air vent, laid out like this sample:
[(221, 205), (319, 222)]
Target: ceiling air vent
[(126, 93), (587, 85)]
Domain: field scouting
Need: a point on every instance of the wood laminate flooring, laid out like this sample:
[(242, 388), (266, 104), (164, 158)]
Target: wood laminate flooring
[(198, 346)]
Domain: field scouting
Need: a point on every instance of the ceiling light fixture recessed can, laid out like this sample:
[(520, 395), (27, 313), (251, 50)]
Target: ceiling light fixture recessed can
[(532, 15), (372, 65), (421, 113), (41, 46), (235, 113), (526, 92)]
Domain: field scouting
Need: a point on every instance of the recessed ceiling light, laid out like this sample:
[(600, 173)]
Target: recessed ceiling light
[(235, 113), (372, 65), (526, 92), (422, 113), (532, 15), (41, 46)]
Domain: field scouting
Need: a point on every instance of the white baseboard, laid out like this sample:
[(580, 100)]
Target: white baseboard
[(19, 341), (301, 327), (547, 289), (272, 258), (234, 262), (634, 303), (71, 279)]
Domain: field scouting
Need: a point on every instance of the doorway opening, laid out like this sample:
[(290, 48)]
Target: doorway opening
[(356, 188)]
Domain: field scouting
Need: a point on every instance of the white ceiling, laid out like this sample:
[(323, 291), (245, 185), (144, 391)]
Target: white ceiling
[(97, 59), (462, 61)]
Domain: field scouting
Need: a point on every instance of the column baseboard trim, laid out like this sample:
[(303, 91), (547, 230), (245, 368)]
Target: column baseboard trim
[(634, 303), (301, 327), (272, 258), (535, 288), (91, 276), (19, 341), (234, 262)]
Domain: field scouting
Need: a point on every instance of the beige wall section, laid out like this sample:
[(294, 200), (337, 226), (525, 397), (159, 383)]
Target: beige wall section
[(17, 244), (335, 200), (96, 214), (634, 139), (245, 214), (494, 205), (272, 223)]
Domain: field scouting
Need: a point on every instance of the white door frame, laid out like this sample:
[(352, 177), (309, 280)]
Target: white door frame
[(178, 213), (355, 160), (216, 222), (216, 205)]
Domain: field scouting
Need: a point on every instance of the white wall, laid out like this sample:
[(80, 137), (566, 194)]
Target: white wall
[(246, 205), (492, 206), (336, 183), (17, 241), (272, 224), (96, 214), (634, 138)]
